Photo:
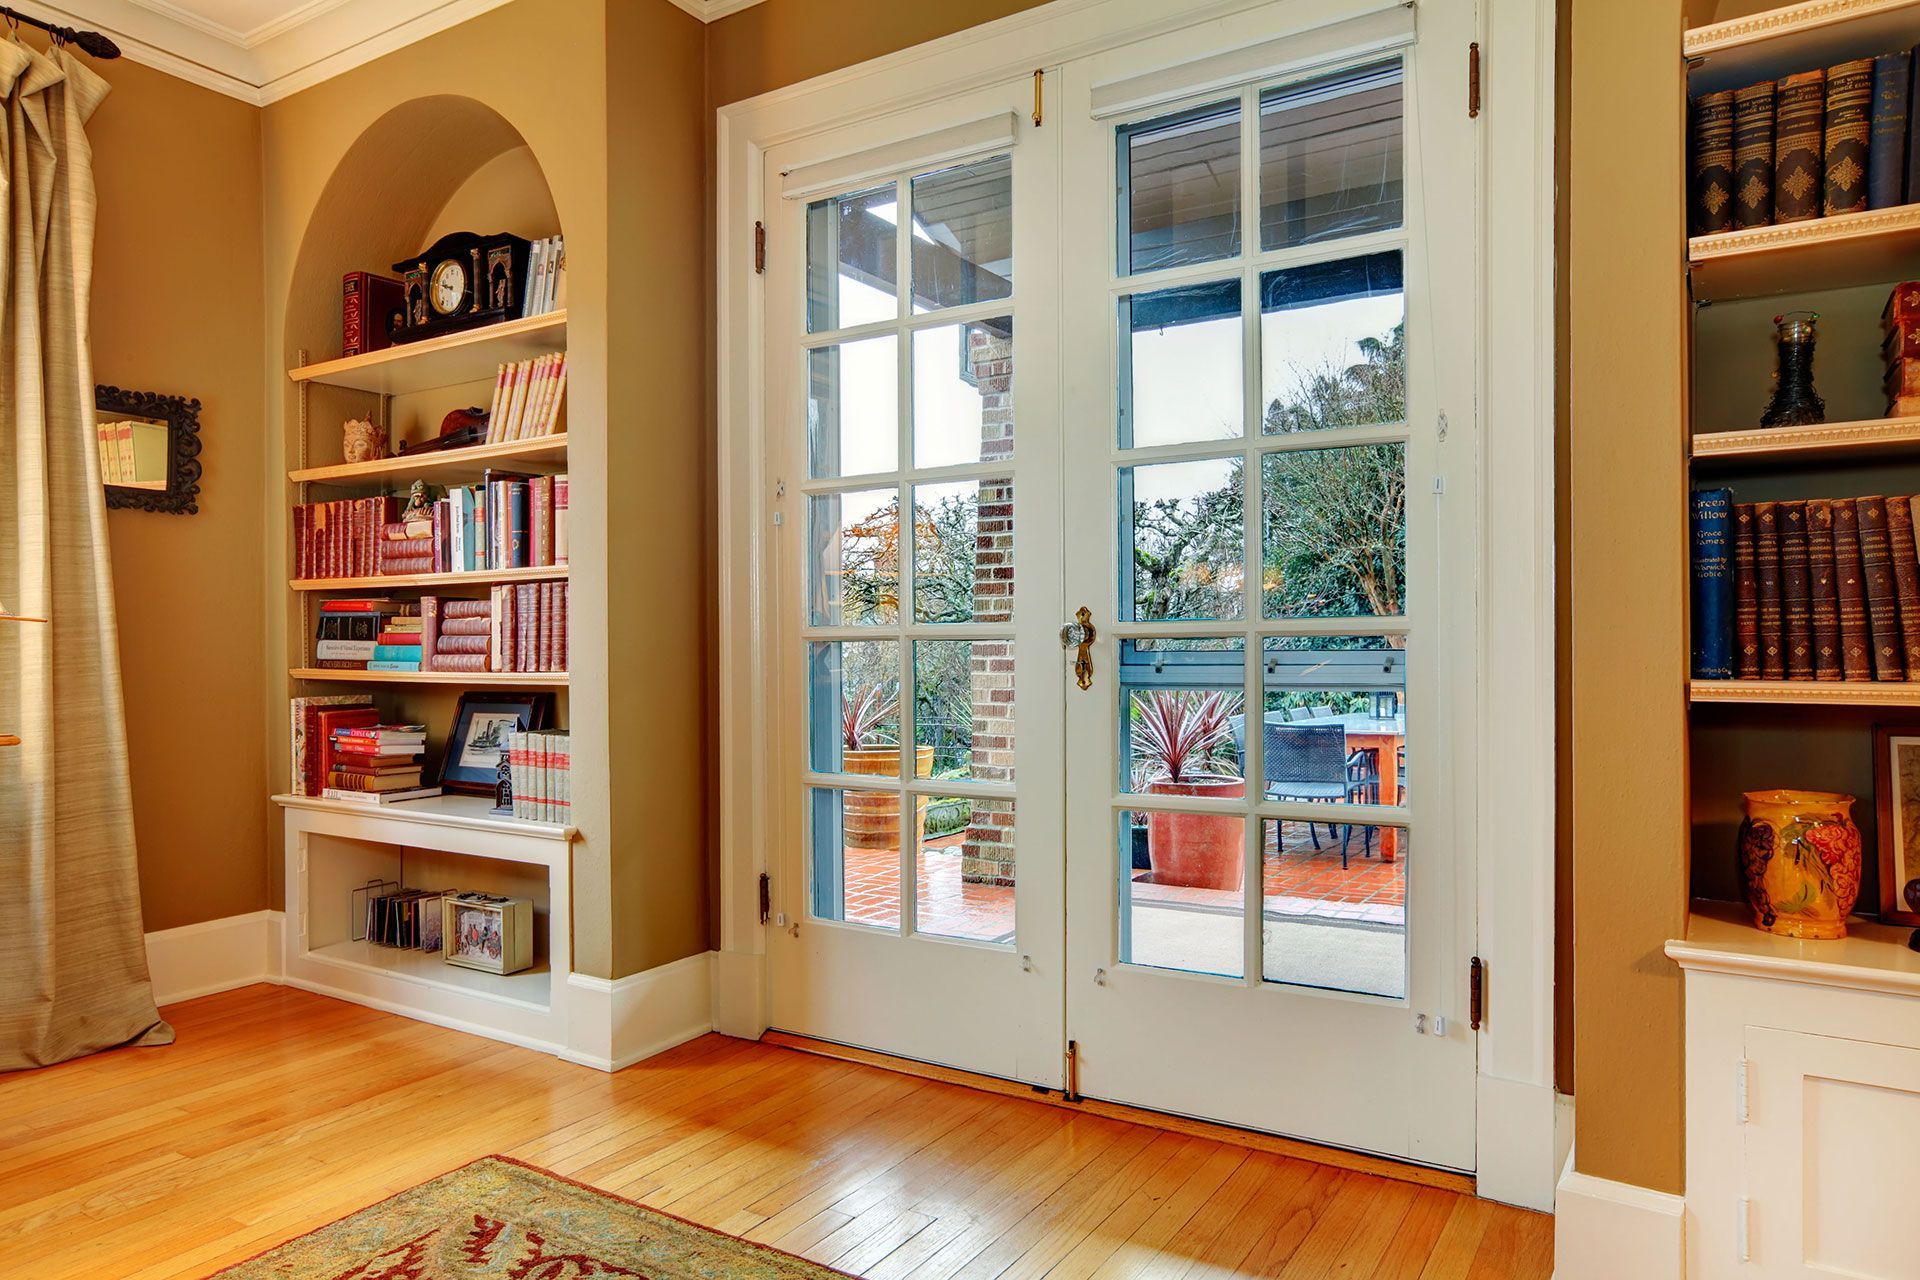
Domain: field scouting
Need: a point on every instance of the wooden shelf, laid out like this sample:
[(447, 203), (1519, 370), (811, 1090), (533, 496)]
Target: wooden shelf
[(450, 466), (471, 679), (453, 813), (480, 578), (473, 356), (1853, 441), (1721, 937), (1847, 249), (1809, 693), (1798, 37)]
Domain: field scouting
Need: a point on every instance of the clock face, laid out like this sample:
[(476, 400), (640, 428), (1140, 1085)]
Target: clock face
[(447, 286)]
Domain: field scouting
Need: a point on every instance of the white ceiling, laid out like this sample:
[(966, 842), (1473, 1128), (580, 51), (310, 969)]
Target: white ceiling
[(262, 50)]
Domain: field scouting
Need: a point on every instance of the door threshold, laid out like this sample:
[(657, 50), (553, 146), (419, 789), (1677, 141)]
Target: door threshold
[(1253, 1139)]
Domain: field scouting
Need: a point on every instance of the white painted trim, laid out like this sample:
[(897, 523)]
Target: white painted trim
[(962, 142), (1516, 1120), (1515, 880), (1604, 1230), (215, 955), (740, 994), (616, 1023)]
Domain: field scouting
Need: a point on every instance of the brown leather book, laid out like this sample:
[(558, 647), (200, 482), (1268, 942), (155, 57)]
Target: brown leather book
[(1883, 608), (1848, 131), (1796, 589), (1766, 546), (1710, 190), (1906, 580), (1753, 156), (1903, 305), (1826, 590), (1746, 593), (1799, 118), (1856, 640)]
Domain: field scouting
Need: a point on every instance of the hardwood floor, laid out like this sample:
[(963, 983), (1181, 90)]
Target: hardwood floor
[(278, 1111)]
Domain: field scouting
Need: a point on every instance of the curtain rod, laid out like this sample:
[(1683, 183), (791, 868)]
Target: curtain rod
[(88, 41)]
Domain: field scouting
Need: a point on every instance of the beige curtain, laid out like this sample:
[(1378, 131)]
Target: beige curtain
[(73, 964)]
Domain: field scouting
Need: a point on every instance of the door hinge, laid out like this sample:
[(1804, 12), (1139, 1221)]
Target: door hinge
[(1473, 81), (766, 897), (1476, 993), (760, 248), (1740, 1092), (1072, 1091), (1743, 1227)]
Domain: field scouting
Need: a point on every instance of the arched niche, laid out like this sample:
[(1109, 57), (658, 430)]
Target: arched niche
[(427, 166)]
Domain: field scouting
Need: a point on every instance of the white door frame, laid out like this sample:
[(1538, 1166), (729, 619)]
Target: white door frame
[(1516, 1146)]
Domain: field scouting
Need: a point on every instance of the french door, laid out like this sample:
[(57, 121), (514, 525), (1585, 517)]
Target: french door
[(1186, 362)]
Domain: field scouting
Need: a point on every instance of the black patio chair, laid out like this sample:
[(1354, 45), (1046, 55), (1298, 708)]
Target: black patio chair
[(1312, 763)]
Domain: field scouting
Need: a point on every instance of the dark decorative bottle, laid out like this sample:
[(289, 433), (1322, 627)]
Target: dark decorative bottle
[(1795, 402)]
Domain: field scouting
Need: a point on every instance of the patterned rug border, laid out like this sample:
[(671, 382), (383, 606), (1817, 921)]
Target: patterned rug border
[(530, 1167)]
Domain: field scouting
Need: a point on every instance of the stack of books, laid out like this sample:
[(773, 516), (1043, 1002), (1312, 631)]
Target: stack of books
[(540, 763), (1821, 589), (407, 547), (546, 289), (313, 720), (377, 763), (455, 634), (526, 399), (400, 643), (1900, 322), (1817, 143), (351, 632), (518, 627), (115, 440)]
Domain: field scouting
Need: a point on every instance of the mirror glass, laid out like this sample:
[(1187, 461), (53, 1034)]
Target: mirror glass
[(133, 452)]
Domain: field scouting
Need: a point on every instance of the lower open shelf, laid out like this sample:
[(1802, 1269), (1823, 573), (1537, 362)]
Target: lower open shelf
[(530, 988)]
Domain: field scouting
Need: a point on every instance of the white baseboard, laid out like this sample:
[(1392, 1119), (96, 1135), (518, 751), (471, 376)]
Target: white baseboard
[(215, 955), (1605, 1230), (740, 993), (616, 1023)]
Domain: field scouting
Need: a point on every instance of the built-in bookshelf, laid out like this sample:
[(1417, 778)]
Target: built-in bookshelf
[(434, 581), (444, 466), (451, 361), (1751, 734)]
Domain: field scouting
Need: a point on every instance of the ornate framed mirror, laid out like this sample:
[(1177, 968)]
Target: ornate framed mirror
[(149, 450)]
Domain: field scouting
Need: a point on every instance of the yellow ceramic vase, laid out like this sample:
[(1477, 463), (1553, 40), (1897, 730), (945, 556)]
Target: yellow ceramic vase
[(1800, 857)]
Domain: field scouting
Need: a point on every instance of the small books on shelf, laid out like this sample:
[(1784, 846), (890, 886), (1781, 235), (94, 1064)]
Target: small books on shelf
[(519, 627), (115, 440), (546, 289), (1815, 589), (369, 305), (508, 521), (365, 757), (540, 762), (353, 634), (339, 539), (407, 919), (527, 396)]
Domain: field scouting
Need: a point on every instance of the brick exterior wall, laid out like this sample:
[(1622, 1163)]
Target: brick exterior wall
[(987, 854)]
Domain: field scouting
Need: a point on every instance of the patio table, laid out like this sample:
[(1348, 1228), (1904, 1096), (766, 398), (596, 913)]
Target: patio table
[(1385, 734)]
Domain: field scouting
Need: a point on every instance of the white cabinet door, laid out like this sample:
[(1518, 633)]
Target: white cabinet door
[(1833, 1157)]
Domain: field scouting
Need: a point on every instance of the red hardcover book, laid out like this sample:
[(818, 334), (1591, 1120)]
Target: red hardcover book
[(549, 597), (429, 630), (359, 604), (368, 302), (560, 637), (1903, 304), (327, 721), (446, 644), (540, 503), (526, 616), (462, 626), (559, 519), (465, 609), (311, 737), (444, 661)]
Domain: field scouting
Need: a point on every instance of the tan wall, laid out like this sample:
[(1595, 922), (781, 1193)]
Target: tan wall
[(176, 309), (1626, 316)]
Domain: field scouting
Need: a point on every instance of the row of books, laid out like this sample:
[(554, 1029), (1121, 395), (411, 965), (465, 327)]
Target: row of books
[(519, 627), (527, 396), (1814, 144), (539, 764), (1821, 589), (546, 277), (377, 763), (508, 521), (115, 440), (405, 919), (369, 634)]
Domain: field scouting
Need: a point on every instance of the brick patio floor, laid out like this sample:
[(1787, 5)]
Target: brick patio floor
[(1299, 882)]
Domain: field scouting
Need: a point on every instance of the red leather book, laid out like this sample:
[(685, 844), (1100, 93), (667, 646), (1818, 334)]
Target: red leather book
[(1903, 305), (429, 630), (1883, 608), (327, 720), (368, 302), (1773, 635), (1826, 590)]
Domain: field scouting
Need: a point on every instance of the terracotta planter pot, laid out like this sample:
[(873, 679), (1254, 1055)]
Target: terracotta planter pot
[(1198, 850), (872, 819), (1800, 856)]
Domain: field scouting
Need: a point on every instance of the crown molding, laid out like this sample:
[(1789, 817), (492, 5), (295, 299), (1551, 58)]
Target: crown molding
[(314, 42)]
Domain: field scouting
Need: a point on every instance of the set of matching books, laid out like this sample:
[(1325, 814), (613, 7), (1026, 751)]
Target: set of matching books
[(518, 627), (1821, 589), (1812, 145), (546, 277), (116, 452), (526, 399), (377, 763), (540, 764), (367, 634), (339, 539)]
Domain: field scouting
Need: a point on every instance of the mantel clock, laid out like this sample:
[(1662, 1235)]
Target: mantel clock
[(462, 281)]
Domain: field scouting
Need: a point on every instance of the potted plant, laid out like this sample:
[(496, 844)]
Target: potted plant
[(1183, 746), (872, 818)]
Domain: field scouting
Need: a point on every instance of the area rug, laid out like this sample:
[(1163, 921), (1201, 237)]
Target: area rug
[(499, 1219)]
